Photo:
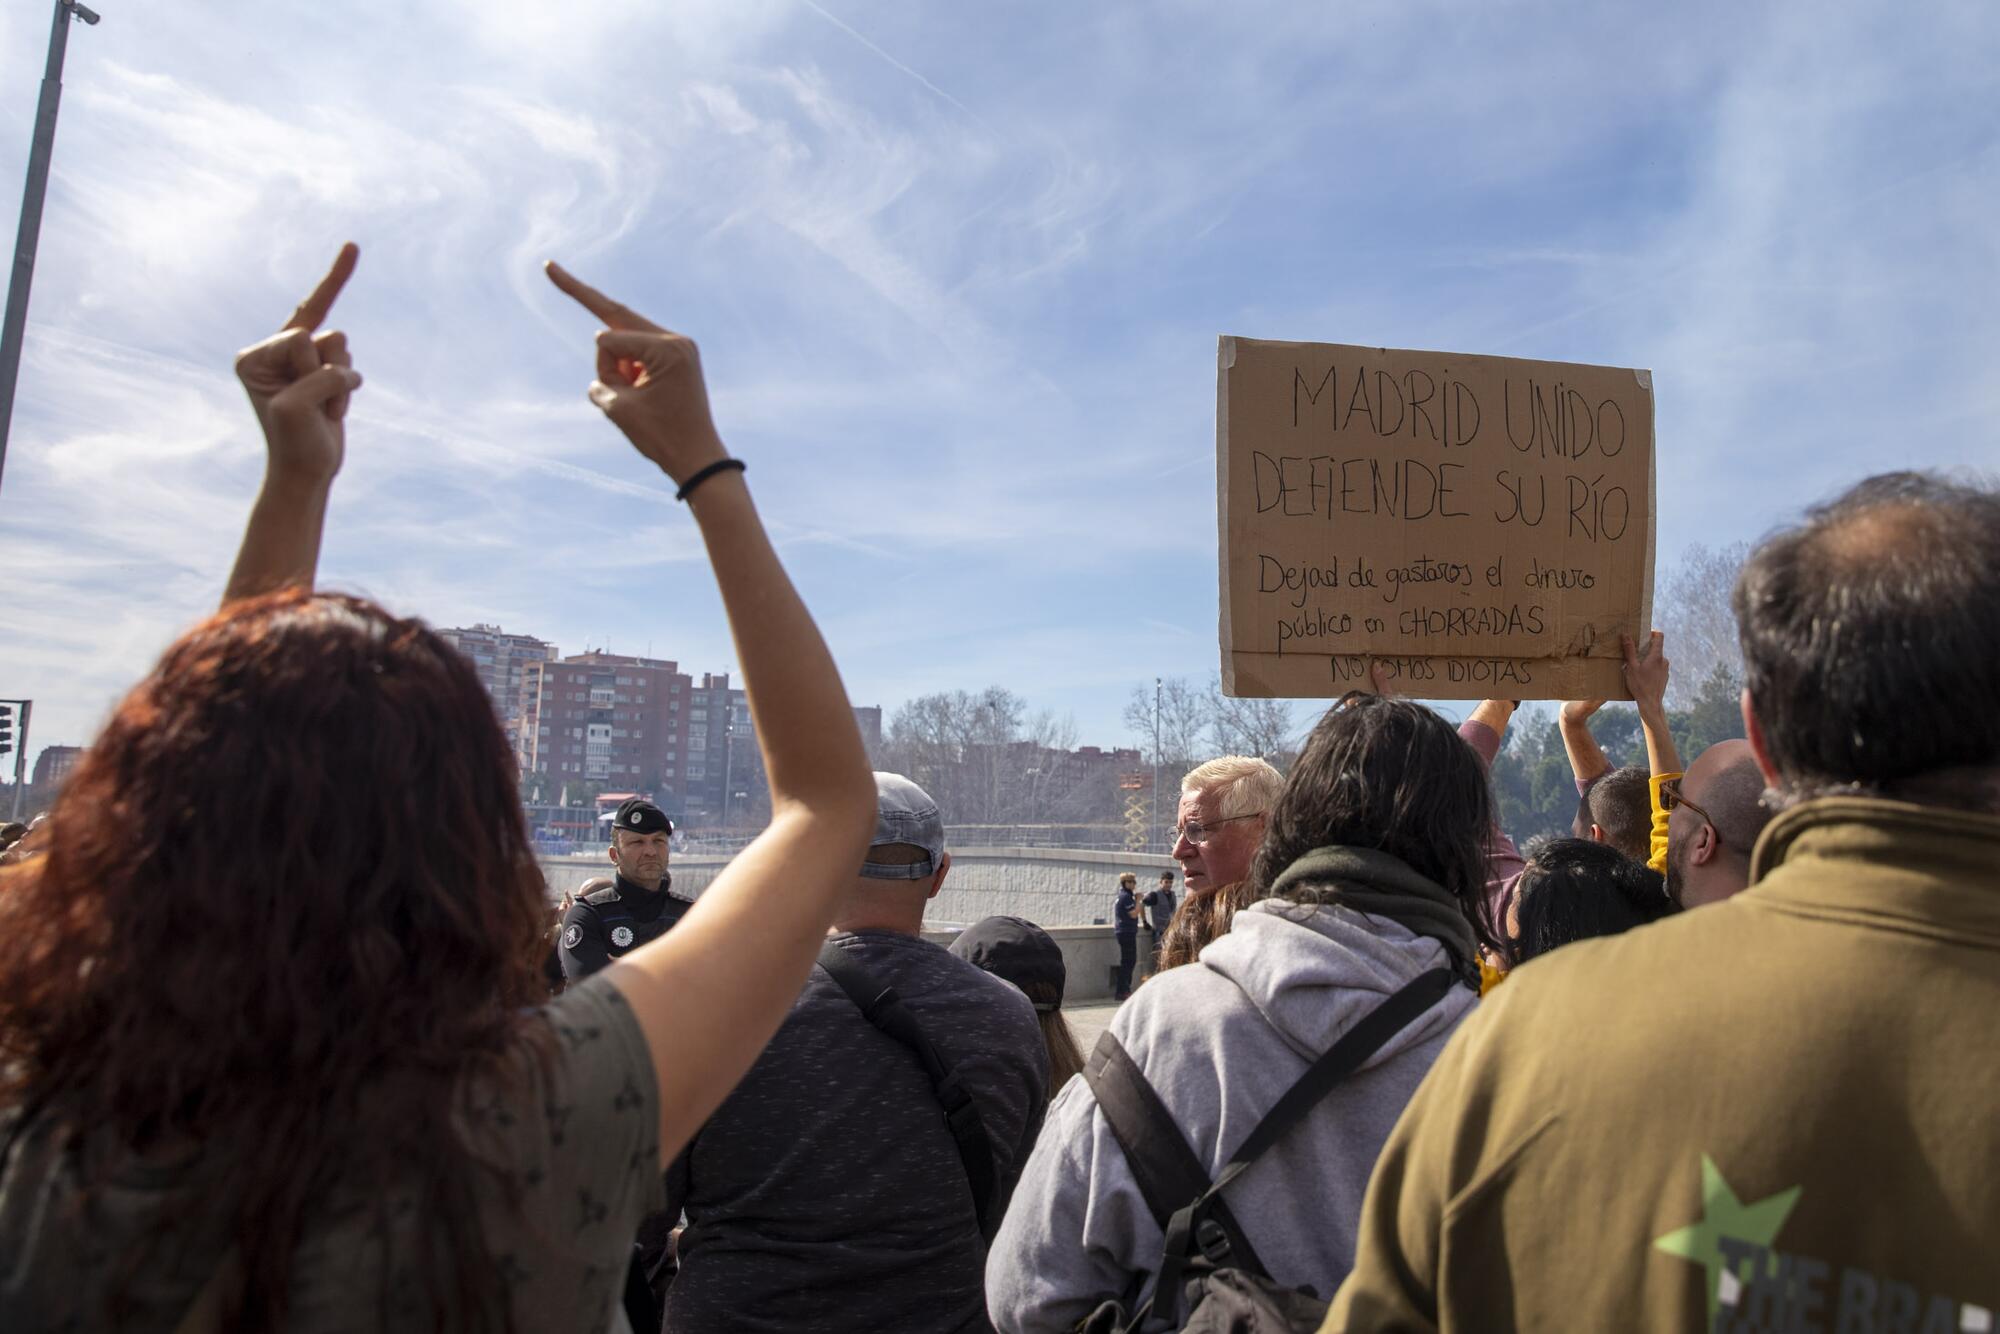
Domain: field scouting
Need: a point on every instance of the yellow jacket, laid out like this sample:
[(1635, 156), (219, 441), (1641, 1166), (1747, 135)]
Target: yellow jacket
[(1658, 849), (1784, 1109)]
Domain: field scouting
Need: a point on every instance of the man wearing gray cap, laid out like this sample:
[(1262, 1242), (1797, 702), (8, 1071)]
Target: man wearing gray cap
[(834, 1190)]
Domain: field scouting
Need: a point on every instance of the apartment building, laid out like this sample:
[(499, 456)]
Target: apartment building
[(54, 764), (502, 661), (609, 719)]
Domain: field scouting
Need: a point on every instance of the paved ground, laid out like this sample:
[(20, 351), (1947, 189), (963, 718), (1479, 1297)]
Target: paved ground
[(1087, 1021)]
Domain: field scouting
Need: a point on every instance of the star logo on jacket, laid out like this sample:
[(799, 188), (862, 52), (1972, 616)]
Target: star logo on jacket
[(621, 936), (1753, 1287), (572, 936), (1728, 1219)]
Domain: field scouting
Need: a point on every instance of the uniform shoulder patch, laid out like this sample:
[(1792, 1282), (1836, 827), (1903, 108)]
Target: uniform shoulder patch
[(572, 936)]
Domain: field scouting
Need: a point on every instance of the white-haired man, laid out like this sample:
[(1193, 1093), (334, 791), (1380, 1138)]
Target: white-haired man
[(1224, 805)]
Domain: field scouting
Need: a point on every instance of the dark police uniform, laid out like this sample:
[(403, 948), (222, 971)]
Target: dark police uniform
[(1124, 930), (615, 921), (1160, 906)]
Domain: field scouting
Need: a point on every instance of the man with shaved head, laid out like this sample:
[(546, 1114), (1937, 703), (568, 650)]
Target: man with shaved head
[(1714, 813)]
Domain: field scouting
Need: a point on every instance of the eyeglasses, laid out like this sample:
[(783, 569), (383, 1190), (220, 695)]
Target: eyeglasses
[(1670, 797), (1197, 833)]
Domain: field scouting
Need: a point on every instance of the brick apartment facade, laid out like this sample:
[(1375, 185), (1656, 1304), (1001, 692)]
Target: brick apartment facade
[(610, 720), (502, 661)]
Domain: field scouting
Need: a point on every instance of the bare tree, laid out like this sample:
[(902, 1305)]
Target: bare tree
[(1691, 606), (1186, 716), (921, 742), (1035, 769), (1048, 731), (1262, 727), (995, 722), (956, 745)]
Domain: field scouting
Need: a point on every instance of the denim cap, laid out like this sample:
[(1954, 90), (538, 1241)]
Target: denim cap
[(905, 813)]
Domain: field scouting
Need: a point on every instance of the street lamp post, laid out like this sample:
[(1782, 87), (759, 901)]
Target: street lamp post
[(15, 325), (728, 754), (1158, 836)]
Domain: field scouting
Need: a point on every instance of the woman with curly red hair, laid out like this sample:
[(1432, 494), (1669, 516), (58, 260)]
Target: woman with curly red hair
[(270, 1055)]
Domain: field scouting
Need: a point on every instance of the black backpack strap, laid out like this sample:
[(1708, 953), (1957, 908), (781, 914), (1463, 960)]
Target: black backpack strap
[(881, 1006), (1166, 1168), (1342, 1059)]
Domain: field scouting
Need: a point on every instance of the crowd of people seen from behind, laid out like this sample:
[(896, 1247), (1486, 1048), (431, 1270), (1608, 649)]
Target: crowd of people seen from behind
[(290, 1041)]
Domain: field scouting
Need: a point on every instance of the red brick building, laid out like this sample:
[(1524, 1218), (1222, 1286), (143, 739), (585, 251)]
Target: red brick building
[(609, 720)]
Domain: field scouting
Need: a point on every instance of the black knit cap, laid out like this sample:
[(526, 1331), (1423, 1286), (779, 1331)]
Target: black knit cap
[(1015, 950)]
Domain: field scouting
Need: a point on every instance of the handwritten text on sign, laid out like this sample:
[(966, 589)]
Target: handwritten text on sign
[(1483, 524)]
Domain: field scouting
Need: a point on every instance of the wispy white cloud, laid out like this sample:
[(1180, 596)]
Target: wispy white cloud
[(957, 275), (896, 64)]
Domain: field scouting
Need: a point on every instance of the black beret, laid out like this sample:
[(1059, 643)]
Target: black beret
[(639, 816)]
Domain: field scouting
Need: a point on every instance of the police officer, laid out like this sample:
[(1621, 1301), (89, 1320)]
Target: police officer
[(636, 907)]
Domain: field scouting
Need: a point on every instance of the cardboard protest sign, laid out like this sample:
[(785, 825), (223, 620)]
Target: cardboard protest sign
[(1483, 525)]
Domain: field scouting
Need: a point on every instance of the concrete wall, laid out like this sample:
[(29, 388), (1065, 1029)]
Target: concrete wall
[(1090, 956), (1068, 893), (1048, 886)]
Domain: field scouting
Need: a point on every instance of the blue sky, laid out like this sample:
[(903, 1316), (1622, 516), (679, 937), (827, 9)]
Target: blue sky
[(958, 274)]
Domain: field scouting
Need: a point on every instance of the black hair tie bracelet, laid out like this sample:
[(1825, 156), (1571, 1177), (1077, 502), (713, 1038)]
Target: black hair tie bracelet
[(720, 465)]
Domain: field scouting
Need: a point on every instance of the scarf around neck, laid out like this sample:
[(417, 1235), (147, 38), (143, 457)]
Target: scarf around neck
[(1382, 885)]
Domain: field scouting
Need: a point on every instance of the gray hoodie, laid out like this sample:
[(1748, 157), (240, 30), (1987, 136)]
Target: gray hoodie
[(1221, 1040)]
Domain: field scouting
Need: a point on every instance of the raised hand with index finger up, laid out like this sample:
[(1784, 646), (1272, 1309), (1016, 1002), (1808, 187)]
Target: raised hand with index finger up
[(649, 384), (298, 380), (747, 946)]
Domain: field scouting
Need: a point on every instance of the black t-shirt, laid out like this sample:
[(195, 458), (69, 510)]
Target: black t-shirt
[(827, 1193), (1160, 902), (602, 926)]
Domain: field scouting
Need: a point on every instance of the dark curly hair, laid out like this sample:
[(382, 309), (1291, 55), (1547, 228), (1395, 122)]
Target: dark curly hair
[(1574, 888), (1391, 775), (288, 905)]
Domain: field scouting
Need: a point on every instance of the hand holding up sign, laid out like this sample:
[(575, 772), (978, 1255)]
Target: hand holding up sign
[(1646, 673), (1379, 677), (649, 384)]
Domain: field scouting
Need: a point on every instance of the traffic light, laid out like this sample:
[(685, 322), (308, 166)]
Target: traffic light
[(6, 729)]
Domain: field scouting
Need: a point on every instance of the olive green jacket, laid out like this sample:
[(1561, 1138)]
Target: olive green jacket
[(1781, 1112)]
